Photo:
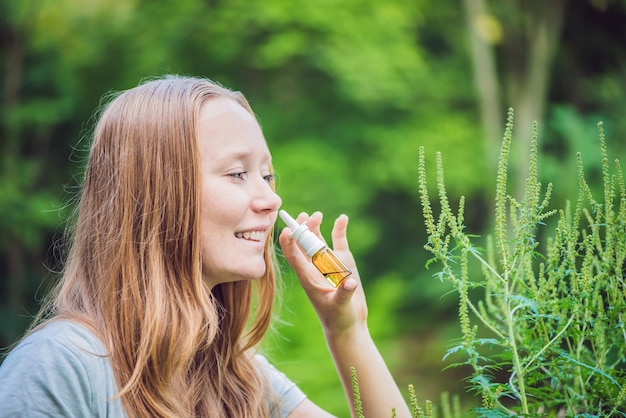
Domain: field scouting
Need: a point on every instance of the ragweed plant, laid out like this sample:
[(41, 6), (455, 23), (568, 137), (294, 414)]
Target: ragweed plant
[(449, 409), (545, 336)]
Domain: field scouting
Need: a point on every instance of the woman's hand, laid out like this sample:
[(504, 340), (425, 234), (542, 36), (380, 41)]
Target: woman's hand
[(342, 310), (343, 314)]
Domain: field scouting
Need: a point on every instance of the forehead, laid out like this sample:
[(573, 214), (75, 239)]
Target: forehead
[(222, 112), (228, 130)]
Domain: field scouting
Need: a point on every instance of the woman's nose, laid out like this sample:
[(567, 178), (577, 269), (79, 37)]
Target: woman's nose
[(267, 199)]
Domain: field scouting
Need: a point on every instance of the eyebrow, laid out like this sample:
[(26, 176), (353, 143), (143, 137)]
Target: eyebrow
[(239, 155), (243, 155)]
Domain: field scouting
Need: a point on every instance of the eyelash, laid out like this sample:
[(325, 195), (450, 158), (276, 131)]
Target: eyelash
[(241, 176)]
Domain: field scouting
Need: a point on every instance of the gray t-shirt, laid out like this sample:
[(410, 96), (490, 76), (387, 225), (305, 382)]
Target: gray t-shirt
[(62, 370)]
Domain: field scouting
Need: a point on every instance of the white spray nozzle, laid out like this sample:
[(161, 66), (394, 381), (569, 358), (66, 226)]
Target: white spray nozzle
[(291, 223), (307, 240)]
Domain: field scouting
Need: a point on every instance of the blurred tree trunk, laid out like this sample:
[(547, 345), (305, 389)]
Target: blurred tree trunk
[(529, 32), (486, 78)]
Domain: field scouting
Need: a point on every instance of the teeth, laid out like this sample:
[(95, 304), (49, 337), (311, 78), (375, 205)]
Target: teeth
[(251, 235)]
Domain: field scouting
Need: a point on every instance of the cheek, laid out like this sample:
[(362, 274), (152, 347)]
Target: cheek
[(220, 215), (220, 212), (213, 224), (210, 221)]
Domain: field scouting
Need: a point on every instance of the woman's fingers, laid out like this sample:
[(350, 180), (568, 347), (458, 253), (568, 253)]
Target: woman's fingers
[(344, 292), (307, 274), (313, 222), (339, 234), (290, 248), (303, 267)]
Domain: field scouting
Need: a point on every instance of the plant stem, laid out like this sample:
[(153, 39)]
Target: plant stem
[(516, 359), (545, 347), (484, 321)]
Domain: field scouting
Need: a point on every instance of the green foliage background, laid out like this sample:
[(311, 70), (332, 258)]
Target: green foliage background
[(347, 91)]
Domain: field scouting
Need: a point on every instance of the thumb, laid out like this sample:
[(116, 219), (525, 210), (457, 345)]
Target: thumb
[(344, 292)]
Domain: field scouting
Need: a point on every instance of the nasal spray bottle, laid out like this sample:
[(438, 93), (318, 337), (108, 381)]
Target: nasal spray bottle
[(320, 254)]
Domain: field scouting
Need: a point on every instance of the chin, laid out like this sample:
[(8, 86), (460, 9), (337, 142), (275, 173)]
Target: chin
[(246, 277), (256, 273), (213, 277)]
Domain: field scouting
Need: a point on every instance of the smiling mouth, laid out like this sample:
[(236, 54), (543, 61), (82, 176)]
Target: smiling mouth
[(251, 235)]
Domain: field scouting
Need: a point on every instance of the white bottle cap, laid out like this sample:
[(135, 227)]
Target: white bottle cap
[(307, 240)]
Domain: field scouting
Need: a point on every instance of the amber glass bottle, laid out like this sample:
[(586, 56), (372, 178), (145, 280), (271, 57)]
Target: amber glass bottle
[(322, 257)]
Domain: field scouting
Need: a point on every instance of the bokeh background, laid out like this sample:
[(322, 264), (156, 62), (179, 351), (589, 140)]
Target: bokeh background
[(346, 91)]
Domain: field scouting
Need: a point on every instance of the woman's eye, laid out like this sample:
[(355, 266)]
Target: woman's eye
[(268, 178), (241, 175)]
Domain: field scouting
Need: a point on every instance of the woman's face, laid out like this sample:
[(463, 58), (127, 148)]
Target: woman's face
[(238, 207)]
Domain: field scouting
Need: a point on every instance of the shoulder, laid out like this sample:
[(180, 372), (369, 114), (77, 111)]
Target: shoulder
[(58, 344), (284, 394), (61, 368), (67, 335)]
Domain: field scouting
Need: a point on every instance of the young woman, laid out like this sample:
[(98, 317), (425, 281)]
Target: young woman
[(171, 243)]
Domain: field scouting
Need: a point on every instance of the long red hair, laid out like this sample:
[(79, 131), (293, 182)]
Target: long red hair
[(133, 271)]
